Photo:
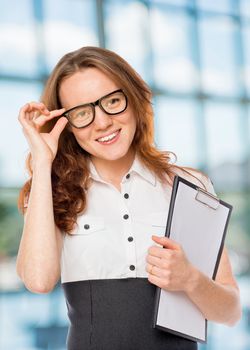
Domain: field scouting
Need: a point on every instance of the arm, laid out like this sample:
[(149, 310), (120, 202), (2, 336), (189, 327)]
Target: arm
[(218, 300), (38, 260)]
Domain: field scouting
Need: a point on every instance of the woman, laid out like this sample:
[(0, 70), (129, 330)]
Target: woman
[(99, 189)]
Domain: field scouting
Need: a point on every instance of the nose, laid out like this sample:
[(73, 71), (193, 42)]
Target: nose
[(102, 119)]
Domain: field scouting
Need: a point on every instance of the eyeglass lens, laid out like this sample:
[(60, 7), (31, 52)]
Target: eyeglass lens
[(84, 115)]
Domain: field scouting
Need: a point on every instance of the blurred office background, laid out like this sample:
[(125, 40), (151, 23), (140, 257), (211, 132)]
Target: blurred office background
[(195, 55)]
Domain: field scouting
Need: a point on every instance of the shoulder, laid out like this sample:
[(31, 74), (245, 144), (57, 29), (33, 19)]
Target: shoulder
[(197, 177)]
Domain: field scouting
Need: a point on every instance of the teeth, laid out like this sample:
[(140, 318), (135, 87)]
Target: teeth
[(108, 138)]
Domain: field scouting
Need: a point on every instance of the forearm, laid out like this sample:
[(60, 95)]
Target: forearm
[(217, 302), (38, 260)]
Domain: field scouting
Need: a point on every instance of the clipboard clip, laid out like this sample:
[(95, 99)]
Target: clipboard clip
[(207, 198)]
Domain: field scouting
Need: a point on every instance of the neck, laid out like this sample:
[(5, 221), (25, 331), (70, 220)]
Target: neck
[(114, 170)]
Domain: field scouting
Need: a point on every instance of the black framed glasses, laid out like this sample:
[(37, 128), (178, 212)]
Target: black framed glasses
[(83, 115)]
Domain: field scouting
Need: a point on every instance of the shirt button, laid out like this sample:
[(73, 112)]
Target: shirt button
[(126, 195), (86, 226), (127, 176), (132, 267), (130, 239), (125, 216)]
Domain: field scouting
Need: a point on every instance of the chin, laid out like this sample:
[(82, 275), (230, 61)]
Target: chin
[(112, 156)]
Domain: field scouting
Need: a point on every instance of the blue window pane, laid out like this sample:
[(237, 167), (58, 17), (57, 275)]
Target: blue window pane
[(68, 25), (215, 5), (225, 143), (176, 130), (245, 8), (218, 57), (246, 43), (174, 68), (39, 321), (248, 125), (126, 28), (13, 145), (17, 39), (173, 2)]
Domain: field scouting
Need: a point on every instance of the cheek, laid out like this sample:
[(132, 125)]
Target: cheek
[(81, 136), (134, 124), (133, 127), (131, 122)]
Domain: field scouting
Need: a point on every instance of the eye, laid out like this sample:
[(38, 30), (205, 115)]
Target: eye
[(113, 102), (81, 113)]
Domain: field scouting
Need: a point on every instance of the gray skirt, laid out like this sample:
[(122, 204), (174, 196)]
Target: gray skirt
[(116, 314)]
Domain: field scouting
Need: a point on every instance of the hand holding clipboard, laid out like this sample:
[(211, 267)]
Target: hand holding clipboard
[(198, 221)]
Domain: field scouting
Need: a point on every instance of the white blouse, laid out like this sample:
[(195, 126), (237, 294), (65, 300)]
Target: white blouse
[(114, 233)]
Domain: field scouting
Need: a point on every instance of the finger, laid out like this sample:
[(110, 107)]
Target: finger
[(35, 109), (43, 109), (41, 119), (31, 111), (57, 112), (52, 114), (149, 268), (154, 260), (59, 126), (156, 281), (159, 251), (38, 105), (155, 271), (166, 242), (43, 112), (22, 111), (24, 115)]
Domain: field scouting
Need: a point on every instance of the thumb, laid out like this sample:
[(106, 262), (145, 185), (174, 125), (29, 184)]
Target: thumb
[(59, 126), (166, 242)]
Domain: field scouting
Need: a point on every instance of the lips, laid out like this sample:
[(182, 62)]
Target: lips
[(109, 137)]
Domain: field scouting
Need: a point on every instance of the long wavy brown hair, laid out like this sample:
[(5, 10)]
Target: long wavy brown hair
[(70, 172)]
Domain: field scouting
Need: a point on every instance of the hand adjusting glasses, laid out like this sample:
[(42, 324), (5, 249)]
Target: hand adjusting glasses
[(83, 115)]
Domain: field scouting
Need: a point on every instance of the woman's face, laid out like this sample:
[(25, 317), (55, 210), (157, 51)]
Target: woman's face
[(88, 86)]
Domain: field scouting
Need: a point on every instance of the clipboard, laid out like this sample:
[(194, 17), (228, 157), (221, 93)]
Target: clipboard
[(195, 216)]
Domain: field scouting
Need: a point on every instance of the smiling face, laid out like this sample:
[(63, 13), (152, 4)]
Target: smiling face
[(107, 137)]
